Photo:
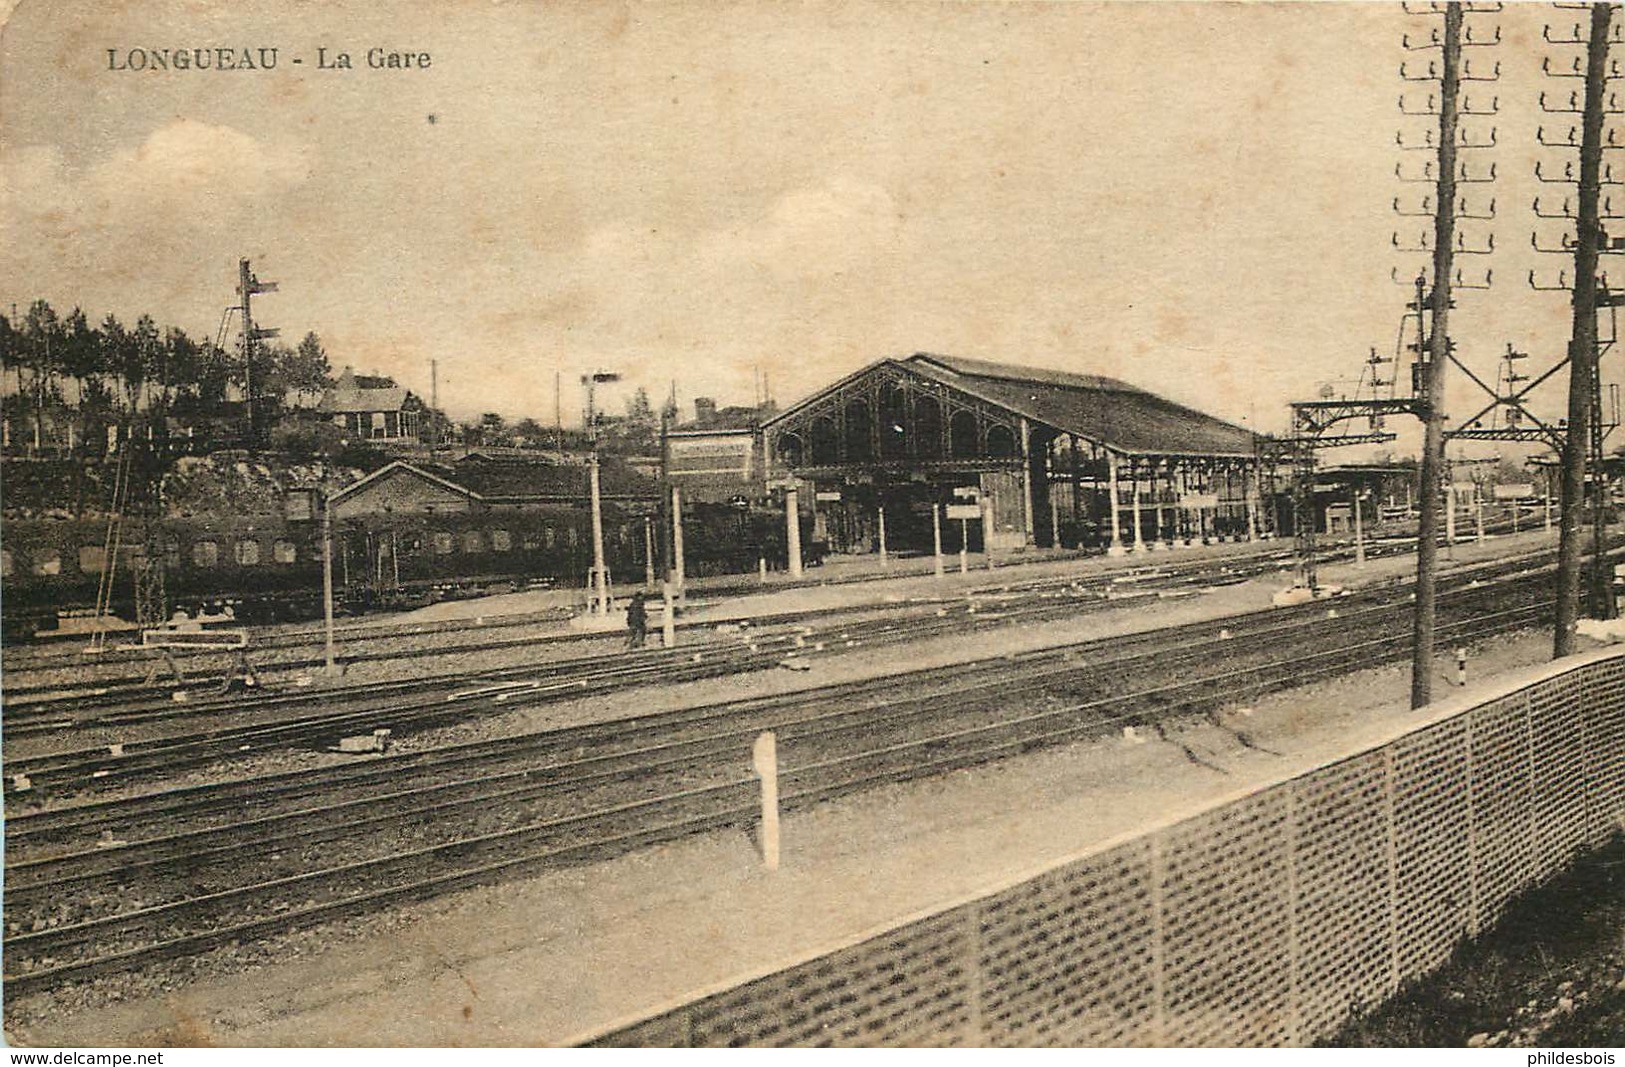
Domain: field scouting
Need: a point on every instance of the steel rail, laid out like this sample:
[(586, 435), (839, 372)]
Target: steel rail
[(58, 939)]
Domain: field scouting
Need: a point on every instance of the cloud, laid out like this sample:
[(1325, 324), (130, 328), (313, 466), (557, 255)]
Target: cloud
[(813, 232), (185, 170), (645, 289)]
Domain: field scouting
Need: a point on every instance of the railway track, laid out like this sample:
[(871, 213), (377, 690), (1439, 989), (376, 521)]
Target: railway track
[(229, 726), (241, 860), (109, 689)]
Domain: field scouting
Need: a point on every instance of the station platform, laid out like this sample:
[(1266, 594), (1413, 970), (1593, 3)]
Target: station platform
[(842, 582), (562, 956)]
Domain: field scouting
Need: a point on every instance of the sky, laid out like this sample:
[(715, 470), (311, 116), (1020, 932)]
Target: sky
[(1196, 198)]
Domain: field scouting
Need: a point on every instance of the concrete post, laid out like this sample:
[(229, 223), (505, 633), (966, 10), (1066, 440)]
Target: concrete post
[(964, 546), (880, 515), (327, 585), (792, 531), (1029, 533), (1359, 528), (765, 761), (936, 535), (1134, 496), (987, 529), (600, 582), (677, 542), (668, 624), (1114, 547), (1249, 501), (648, 553), (1450, 514)]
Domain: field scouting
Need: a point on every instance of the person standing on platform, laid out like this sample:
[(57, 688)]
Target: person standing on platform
[(637, 621)]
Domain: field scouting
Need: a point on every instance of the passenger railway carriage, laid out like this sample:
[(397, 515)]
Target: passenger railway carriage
[(402, 537)]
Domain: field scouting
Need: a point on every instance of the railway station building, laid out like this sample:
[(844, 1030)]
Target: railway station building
[(1001, 457)]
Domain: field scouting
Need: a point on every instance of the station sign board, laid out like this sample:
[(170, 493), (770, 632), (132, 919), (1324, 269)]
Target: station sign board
[(828, 496), (1516, 491), (299, 505), (966, 512), (726, 453), (967, 492)]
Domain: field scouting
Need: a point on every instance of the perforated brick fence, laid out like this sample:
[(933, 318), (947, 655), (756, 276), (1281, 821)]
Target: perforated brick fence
[(1265, 920)]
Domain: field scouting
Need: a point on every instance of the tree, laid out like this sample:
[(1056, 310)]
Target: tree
[(639, 431), (271, 377), (215, 373), (81, 352), (491, 430), (117, 350), (138, 360), (178, 372), (308, 373), (10, 350), (42, 347), (528, 432)]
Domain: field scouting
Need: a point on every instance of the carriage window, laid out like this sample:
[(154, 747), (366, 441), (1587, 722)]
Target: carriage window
[(6, 564), (473, 542), (442, 543), (501, 540), (531, 542), (48, 562), (550, 537), (572, 535), (285, 552), (248, 552), (92, 558), (205, 553)]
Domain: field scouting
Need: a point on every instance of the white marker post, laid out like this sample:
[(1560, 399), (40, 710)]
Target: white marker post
[(765, 761), (882, 517)]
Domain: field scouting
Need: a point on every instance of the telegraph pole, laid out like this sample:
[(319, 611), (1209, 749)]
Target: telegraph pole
[(434, 404), (1432, 378), (1583, 344), (248, 285)]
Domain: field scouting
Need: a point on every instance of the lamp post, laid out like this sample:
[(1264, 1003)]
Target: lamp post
[(600, 577), (327, 582)]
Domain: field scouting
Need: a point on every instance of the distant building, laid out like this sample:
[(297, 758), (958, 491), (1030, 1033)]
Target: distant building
[(373, 408), (480, 483), (707, 416), (718, 457)]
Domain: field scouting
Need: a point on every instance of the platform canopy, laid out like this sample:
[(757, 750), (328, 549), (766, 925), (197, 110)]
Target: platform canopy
[(974, 408)]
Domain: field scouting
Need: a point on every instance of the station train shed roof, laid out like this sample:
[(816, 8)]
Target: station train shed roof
[(1114, 414)]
